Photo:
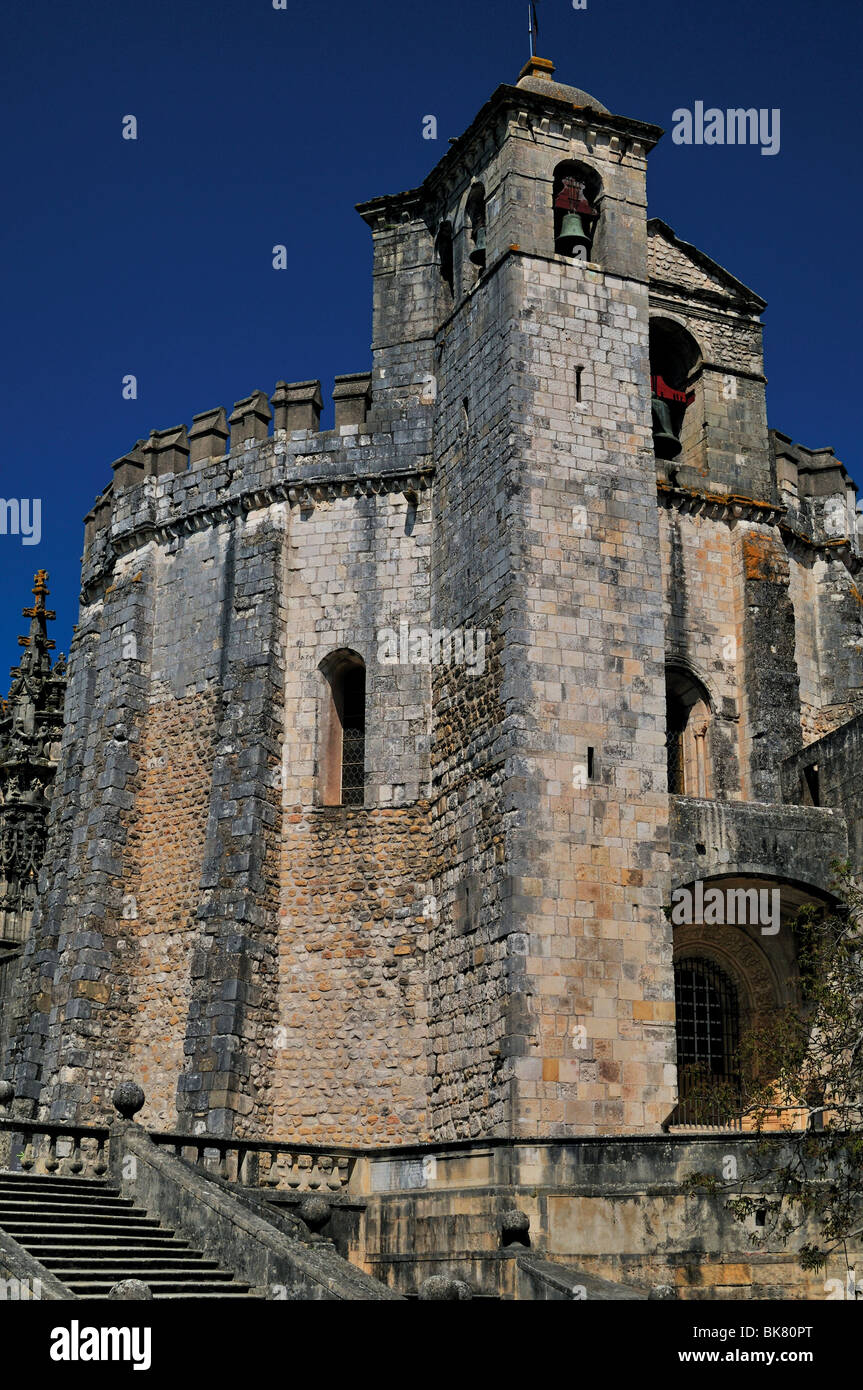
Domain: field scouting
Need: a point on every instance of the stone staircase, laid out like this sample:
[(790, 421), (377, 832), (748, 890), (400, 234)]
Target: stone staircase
[(91, 1238)]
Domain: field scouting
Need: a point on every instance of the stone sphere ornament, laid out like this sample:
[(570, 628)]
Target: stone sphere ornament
[(128, 1099), (515, 1227), (439, 1289), (314, 1211), (131, 1288)]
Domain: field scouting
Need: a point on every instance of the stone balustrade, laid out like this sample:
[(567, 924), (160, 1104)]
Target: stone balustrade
[(46, 1149), (281, 1167)]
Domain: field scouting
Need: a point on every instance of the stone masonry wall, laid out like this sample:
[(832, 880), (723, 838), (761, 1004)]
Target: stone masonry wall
[(349, 1054), (550, 500), (704, 631)]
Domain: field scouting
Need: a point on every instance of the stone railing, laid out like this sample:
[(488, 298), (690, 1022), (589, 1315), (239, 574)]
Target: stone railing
[(45, 1148), (34, 1146), (267, 1164)]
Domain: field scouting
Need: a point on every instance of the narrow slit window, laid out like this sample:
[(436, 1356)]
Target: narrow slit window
[(354, 736), (342, 730)]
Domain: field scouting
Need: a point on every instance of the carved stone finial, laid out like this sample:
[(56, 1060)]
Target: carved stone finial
[(314, 1211), (128, 1099), (131, 1288), (439, 1289), (514, 1227)]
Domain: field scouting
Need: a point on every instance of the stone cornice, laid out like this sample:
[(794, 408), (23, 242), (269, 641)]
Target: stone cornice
[(304, 493), (673, 293), (454, 165), (734, 507)]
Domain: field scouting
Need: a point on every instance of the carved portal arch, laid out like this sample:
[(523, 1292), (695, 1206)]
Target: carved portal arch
[(759, 990)]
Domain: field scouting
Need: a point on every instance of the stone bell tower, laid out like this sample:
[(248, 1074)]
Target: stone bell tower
[(551, 988)]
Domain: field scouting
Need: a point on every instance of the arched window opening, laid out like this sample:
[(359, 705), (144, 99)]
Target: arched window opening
[(444, 254), (343, 775), (687, 720), (707, 1013), (476, 221), (576, 193), (675, 363)]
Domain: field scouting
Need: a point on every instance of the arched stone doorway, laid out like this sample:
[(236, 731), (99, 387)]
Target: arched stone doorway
[(730, 976)]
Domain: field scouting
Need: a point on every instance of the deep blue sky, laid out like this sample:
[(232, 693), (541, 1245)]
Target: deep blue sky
[(259, 126)]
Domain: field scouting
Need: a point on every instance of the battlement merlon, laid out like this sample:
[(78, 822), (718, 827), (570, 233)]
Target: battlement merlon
[(818, 491)]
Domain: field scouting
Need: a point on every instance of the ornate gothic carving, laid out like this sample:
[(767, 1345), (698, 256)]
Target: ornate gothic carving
[(31, 723)]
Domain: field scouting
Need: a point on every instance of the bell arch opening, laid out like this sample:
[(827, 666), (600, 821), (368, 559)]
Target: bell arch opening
[(576, 198), (475, 215), (445, 258), (675, 390)]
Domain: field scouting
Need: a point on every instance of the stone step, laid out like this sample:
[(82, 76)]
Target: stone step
[(37, 1182), (47, 1211), (105, 1263), (103, 1240), (87, 1288), (67, 1201), (63, 1194), (230, 1292), (155, 1272), (91, 1237), (68, 1225)]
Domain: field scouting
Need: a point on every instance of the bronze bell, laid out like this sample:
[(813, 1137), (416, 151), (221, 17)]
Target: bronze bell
[(477, 255), (666, 443), (572, 234)]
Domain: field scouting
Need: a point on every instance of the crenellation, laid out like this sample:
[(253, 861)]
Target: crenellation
[(166, 451), (208, 437), (129, 470), (297, 406), (249, 421)]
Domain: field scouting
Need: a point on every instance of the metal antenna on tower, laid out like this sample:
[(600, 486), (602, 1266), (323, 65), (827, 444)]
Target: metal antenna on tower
[(533, 30)]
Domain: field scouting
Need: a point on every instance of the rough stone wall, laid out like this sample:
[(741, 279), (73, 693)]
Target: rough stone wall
[(803, 582), (840, 633), (73, 1024), (349, 1056), (772, 705), (704, 631), (166, 849), (553, 518), (476, 1009), (838, 756)]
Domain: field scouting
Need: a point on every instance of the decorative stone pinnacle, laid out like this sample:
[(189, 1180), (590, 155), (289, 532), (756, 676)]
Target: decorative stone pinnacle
[(128, 1099)]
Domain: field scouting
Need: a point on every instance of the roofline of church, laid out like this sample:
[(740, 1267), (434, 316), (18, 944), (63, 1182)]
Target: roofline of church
[(707, 263)]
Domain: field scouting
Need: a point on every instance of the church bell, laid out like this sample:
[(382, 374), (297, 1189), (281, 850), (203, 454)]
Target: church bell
[(572, 235), (477, 255), (666, 443)]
